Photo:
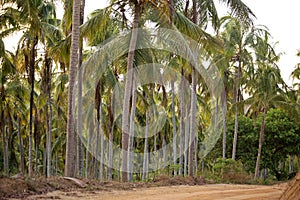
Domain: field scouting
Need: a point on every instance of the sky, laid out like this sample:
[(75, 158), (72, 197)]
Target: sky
[(281, 18)]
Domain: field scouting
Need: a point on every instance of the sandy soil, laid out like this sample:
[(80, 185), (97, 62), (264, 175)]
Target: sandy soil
[(203, 192)]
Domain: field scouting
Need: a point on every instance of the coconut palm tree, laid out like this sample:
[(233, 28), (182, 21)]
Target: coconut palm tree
[(80, 152), (7, 67), (70, 145), (32, 17), (237, 40), (13, 97), (266, 86)]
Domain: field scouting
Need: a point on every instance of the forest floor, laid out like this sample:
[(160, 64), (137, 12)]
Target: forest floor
[(159, 189)]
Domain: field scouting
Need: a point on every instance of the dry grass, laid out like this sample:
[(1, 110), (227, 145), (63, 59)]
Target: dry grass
[(293, 189), (22, 187)]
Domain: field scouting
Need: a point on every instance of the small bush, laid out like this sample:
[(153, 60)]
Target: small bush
[(230, 171), (228, 166), (236, 178)]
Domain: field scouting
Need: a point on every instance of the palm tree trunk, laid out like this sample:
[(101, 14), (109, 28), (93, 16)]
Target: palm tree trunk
[(80, 153), (127, 92), (223, 101), (196, 155), (155, 150), (119, 166), (48, 116), (70, 145), (32, 71), (146, 148), (261, 140), (4, 144), (164, 149), (101, 168), (174, 127), (193, 106), (111, 140), (49, 148), (186, 140), (192, 126), (181, 123), (45, 154), (22, 166), (37, 140), (236, 124), (7, 151), (96, 150), (131, 130), (236, 100)]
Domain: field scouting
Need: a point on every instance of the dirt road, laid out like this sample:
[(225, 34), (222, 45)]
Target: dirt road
[(204, 192)]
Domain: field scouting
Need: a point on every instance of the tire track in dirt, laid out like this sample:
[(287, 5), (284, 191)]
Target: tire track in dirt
[(204, 192)]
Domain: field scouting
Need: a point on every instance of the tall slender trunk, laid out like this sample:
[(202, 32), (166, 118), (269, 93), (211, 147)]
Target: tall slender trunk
[(111, 139), (31, 74), (131, 129), (193, 106), (236, 124), (261, 140), (127, 92), (4, 144), (96, 150), (45, 155), (101, 168), (45, 91), (37, 140), (7, 140), (181, 125), (2, 125), (155, 150), (236, 100), (70, 145), (80, 152), (145, 160), (174, 128), (192, 126), (22, 162), (186, 140), (48, 75), (49, 172), (164, 150), (196, 156), (223, 102), (119, 166)]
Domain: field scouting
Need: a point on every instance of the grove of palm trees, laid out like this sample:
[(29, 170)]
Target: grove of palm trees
[(145, 89)]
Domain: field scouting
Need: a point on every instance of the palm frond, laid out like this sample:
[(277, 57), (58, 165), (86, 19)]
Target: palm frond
[(240, 10), (207, 11), (99, 27)]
